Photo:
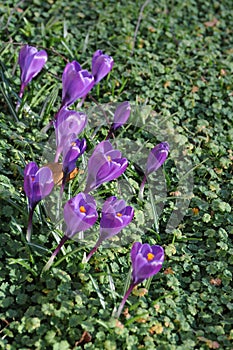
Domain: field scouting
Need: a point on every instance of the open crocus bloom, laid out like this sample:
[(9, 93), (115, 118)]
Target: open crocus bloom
[(79, 214), (76, 83), (146, 261), (104, 165), (101, 65), (115, 216), (31, 62)]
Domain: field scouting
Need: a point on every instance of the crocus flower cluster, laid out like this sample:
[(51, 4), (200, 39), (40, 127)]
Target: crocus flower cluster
[(104, 165)]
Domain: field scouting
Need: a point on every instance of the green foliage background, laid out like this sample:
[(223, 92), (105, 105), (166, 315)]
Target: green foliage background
[(181, 66)]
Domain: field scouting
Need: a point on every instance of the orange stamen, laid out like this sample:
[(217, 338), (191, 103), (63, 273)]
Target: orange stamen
[(82, 209), (109, 158), (119, 214), (150, 256)]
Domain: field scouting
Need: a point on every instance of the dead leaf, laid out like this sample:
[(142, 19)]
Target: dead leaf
[(216, 281), (211, 23), (58, 173), (195, 89), (85, 338)]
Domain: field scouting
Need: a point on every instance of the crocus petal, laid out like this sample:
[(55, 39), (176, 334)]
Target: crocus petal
[(121, 115), (76, 83), (157, 157), (101, 65)]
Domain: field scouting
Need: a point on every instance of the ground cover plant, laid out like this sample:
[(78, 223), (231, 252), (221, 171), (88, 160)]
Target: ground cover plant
[(173, 63)]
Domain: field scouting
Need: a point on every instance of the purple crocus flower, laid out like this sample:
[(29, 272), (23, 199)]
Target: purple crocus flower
[(115, 216), (156, 158), (67, 123), (121, 115), (76, 83), (104, 165), (146, 262), (101, 65), (31, 61), (38, 183), (71, 152), (79, 215)]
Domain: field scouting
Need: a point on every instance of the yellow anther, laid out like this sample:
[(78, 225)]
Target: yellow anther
[(119, 214), (109, 158), (82, 209), (150, 256)]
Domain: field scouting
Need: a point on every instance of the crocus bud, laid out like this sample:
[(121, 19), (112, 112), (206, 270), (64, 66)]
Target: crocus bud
[(71, 152), (157, 157), (146, 262), (76, 83), (115, 216), (121, 115), (38, 183), (31, 61), (79, 214), (104, 165), (101, 65), (67, 123)]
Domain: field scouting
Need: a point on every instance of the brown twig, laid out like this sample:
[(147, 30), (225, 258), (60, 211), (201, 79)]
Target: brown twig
[(138, 24)]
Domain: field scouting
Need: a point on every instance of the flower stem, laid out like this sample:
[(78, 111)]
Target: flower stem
[(94, 249), (22, 87), (141, 190), (29, 228), (91, 253), (124, 300), (110, 134), (53, 256)]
